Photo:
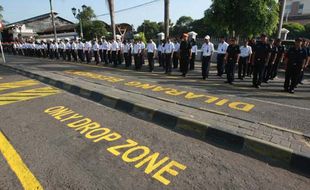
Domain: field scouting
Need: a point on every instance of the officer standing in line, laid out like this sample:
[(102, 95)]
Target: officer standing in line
[(176, 54), (194, 53), (110, 52), (221, 52), (95, 49), (101, 51), (231, 59), (207, 51), (114, 50), (68, 50), (80, 47), (74, 50), (185, 54), (151, 51), (105, 46), (142, 47), (136, 54), (127, 53), (273, 57), (304, 45), (260, 59), (295, 61), (120, 51), (279, 59), (168, 49), (51, 51), (249, 71), (87, 50), (61, 48), (160, 53), (245, 57), (56, 50)]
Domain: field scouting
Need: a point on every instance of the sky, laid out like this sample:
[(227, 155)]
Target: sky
[(15, 10)]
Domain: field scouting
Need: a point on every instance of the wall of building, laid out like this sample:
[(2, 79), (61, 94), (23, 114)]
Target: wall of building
[(44, 24), (297, 7)]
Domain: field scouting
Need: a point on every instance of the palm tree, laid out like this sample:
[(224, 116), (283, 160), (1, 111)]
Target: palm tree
[(112, 15)]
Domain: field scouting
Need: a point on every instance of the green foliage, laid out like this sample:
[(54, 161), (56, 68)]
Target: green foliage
[(245, 17), (296, 29), (88, 14), (182, 25), (93, 29), (140, 36), (307, 31), (149, 28)]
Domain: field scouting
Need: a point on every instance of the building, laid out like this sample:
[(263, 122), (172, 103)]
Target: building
[(40, 27), (297, 11)]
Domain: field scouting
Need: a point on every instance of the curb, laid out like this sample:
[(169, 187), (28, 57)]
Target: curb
[(259, 149)]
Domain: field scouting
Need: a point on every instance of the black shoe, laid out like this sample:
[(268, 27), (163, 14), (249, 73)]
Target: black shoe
[(231, 83), (226, 82), (204, 78), (291, 91), (257, 86), (285, 90)]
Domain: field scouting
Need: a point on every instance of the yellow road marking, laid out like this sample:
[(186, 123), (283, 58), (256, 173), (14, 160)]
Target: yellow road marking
[(17, 84), (27, 95), (27, 179)]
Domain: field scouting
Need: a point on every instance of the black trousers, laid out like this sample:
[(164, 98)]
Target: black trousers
[(275, 67), (258, 72), (142, 62), (88, 56), (230, 71), (68, 52), (192, 62), (101, 55), (56, 54), (81, 55), (114, 58), (159, 58), (110, 57), (96, 55), (105, 56), (168, 63), (127, 57), (61, 52), (150, 57), (137, 61), (74, 55), (242, 67), (175, 60), (205, 66), (292, 75), (249, 70), (184, 62), (267, 71), (119, 57), (220, 64)]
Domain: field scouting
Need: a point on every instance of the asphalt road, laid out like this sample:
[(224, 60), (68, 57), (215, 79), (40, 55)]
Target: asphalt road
[(270, 105), (61, 154)]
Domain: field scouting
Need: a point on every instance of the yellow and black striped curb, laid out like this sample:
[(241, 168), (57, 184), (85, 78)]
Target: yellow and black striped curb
[(225, 138)]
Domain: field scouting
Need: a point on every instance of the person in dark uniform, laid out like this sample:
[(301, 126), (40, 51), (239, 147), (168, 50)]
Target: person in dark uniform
[(185, 54), (295, 61), (279, 59), (231, 59), (306, 47), (249, 71), (261, 57), (273, 56)]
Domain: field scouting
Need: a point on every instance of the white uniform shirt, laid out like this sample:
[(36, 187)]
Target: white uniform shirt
[(151, 47), (109, 46), (136, 49), (142, 45), (195, 49), (207, 49), (114, 46), (245, 51), (120, 46), (95, 46), (80, 46), (127, 47), (74, 46), (105, 45), (222, 48), (176, 47), (68, 46), (87, 46), (160, 48), (61, 45), (169, 47)]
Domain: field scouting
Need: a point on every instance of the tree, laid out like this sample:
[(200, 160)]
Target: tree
[(307, 31), (244, 17), (296, 29), (149, 28), (182, 25), (91, 28)]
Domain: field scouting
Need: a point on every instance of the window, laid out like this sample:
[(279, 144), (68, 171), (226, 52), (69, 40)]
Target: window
[(288, 8), (300, 8)]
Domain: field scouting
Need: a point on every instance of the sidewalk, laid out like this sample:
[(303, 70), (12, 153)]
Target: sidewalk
[(271, 143)]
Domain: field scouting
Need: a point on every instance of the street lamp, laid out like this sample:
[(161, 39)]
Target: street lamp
[(78, 16)]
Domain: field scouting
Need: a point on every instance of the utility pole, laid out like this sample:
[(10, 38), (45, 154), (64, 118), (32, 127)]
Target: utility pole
[(282, 10), (53, 21), (167, 20), (112, 16)]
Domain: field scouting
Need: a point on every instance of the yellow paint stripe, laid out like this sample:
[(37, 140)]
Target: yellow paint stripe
[(26, 178), (17, 84), (27, 95)]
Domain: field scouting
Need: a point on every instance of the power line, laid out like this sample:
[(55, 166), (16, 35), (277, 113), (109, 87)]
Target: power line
[(130, 8)]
